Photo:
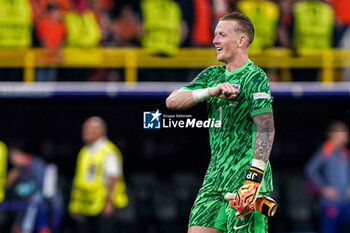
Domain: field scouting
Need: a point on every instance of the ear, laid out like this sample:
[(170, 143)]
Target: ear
[(243, 40)]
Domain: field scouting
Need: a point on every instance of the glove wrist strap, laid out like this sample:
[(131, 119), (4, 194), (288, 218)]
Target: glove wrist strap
[(254, 174), (259, 164)]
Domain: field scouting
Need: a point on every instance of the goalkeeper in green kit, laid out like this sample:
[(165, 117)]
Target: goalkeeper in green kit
[(238, 181)]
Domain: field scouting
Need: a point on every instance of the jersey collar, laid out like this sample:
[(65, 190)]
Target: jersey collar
[(236, 71)]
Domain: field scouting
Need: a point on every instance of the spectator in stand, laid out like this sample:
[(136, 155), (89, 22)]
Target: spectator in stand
[(50, 31), (342, 30), (82, 21), (342, 18), (120, 27), (39, 7), (201, 32), (162, 26), (284, 29), (311, 28), (126, 27), (187, 10), (15, 32), (264, 15), (82, 31), (221, 7), (329, 171)]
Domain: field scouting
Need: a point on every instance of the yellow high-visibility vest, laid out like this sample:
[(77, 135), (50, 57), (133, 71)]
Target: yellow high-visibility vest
[(313, 25), (3, 169), (162, 25), (15, 24), (264, 16), (89, 192), (83, 30)]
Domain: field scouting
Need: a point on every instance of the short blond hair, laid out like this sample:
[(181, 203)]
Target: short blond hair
[(245, 25)]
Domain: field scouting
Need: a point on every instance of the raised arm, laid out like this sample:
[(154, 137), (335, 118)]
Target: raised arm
[(265, 132), (183, 99), (180, 100)]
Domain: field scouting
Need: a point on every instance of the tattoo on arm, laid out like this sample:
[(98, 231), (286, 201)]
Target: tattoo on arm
[(265, 133)]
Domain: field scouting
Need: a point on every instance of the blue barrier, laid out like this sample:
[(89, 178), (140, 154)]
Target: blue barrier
[(154, 90)]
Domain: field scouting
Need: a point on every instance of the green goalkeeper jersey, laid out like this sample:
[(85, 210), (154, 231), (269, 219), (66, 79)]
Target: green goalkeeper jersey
[(232, 144)]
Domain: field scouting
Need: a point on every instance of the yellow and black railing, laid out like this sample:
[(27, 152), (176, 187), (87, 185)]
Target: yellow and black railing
[(131, 59)]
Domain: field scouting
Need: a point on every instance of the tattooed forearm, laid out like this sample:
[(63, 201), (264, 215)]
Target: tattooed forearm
[(265, 133)]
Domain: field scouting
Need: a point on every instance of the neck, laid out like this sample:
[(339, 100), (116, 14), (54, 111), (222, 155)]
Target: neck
[(237, 62)]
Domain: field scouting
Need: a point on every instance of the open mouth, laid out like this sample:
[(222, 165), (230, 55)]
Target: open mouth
[(219, 49)]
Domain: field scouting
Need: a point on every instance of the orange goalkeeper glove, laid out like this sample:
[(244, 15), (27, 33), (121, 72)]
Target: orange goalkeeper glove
[(244, 199), (265, 205)]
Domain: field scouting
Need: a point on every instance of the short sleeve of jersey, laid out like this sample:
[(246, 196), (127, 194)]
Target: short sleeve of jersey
[(258, 94), (201, 81)]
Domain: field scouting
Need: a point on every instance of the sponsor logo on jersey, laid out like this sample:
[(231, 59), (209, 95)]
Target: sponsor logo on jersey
[(240, 227), (237, 86), (261, 95)]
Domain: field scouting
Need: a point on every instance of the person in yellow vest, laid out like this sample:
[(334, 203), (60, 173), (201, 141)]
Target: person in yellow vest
[(313, 25), (82, 32), (16, 27), (3, 169), (162, 26), (98, 185), (265, 16), (312, 29)]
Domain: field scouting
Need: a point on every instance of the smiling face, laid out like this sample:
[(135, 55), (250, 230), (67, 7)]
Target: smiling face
[(227, 40)]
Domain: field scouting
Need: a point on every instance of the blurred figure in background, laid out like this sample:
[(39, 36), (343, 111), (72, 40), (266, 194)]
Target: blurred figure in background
[(84, 32), (329, 170), (284, 29), (39, 7), (98, 185), (342, 30), (264, 15), (50, 30), (3, 169), (3, 176), (162, 26), (312, 29), (121, 27), (126, 27), (313, 25), (342, 21), (16, 28), (201, 31), (33, 185)]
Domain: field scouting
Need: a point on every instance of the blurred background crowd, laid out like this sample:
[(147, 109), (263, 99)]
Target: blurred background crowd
[(163, 26)]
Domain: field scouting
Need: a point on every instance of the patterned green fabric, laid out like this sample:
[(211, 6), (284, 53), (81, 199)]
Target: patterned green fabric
[(232, 144), (252, 223), (211, 210)]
